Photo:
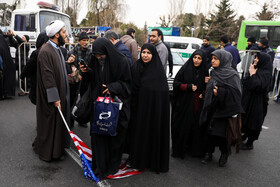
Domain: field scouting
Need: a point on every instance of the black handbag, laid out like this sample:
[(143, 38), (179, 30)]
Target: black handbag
[(82, 110)]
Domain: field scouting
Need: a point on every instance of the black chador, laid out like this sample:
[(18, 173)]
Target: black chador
[(186, 105)]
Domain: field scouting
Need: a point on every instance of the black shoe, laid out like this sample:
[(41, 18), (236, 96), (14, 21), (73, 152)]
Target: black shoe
[(246, 147), (208, 158), (223, 159), (83, 125)]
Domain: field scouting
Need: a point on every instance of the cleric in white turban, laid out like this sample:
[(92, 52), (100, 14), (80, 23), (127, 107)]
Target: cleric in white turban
[(52, 92), (54, 27)]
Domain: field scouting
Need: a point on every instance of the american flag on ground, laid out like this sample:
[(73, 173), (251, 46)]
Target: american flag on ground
[(86, 159), (125, 171), (86, 156)]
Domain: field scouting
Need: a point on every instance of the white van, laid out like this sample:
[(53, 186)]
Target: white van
[(33, 21), (185, 46)]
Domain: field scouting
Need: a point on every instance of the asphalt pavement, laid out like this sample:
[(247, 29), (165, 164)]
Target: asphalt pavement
[(20, 166)]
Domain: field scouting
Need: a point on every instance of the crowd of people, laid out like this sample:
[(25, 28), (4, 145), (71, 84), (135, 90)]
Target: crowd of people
[(211, 105)]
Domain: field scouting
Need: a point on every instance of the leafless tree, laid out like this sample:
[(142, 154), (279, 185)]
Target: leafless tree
[(176, 8), (272, 5), (107, 12)]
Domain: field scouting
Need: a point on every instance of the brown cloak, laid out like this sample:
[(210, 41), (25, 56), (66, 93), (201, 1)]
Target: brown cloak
[(52, 85)]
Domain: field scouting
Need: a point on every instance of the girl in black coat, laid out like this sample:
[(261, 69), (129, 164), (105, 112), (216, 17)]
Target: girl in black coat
[(255, 98), (187, 100)]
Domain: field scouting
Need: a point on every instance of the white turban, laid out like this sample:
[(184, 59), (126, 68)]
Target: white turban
[(54, 27)]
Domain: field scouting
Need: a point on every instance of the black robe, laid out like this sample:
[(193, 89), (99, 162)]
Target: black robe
[(149, 132), (255, 95), (52, 85), (9, 70), (115, 74), (186, 105)]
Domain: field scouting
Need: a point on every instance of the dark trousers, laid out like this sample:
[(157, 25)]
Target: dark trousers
[(214, 141)]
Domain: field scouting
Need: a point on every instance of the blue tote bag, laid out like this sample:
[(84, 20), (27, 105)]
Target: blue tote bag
[(106, 116)]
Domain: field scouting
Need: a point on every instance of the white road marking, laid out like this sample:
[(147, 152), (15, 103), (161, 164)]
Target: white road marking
[(75, 156), (265, 127)]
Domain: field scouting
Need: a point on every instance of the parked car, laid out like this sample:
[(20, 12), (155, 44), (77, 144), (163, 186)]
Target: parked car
[(185, 46), (178, 62)]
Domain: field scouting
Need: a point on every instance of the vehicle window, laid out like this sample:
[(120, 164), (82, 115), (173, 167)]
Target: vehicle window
[(256, 31), (177, 59), (176, 45), (47, 17), (24, 22), (195, 46), (275, 40)]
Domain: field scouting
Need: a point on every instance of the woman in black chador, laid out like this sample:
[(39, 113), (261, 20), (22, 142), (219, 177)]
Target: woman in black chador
[(255, 98), (8, 78), (108, 72), (222, 106), (149, 125), (189, 85)]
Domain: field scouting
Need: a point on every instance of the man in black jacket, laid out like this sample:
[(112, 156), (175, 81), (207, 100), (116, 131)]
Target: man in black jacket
[(252, 44), (208, 49), (81, 52)]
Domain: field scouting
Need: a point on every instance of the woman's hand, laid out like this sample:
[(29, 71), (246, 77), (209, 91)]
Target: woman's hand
[(215, 90), (105, 91), (252, 70), (207, 79), (71, 59)]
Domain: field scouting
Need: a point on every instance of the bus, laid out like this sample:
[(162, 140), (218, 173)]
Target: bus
[(259, 29)]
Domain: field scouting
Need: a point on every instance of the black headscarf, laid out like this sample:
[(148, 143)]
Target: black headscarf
[(189, 74), (151, 74), (104, 46), (42, 38), (264, 71)]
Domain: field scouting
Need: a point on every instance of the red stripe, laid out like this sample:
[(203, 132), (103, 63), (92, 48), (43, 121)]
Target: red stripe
[(81, 143), (86, 153)]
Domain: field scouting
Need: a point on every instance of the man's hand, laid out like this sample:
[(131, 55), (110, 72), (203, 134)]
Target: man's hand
[(83, 68), (11, 33), (105, 91), (57, 103)]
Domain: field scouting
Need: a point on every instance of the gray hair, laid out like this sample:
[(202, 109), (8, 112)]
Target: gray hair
[(111, 34)]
